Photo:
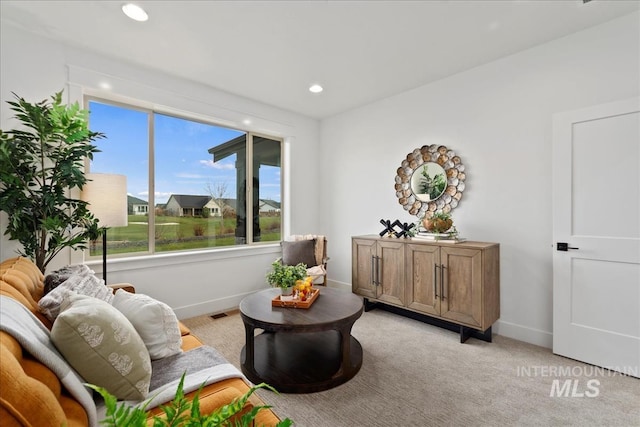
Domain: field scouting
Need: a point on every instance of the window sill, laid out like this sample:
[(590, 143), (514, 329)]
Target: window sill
[(134, 262)]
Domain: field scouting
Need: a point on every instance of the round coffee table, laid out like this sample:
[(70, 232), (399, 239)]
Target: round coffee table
[(301, 350)]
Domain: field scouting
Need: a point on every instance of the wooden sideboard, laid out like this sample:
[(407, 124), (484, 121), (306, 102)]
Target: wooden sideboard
[(455, 285)]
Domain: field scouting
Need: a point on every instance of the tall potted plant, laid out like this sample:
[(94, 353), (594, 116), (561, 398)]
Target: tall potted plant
[(39, 164)]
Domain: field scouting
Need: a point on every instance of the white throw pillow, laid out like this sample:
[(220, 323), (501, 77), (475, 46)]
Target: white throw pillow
[(103, 347), (83, 284), (154, 320)]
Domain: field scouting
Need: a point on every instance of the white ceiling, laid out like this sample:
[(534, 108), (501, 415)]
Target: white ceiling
[(271, 51)]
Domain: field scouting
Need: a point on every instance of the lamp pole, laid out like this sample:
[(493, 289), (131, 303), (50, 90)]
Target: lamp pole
[(104, 255)]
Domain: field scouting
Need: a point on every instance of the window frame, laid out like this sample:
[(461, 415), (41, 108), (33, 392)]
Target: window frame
[(151, 110)]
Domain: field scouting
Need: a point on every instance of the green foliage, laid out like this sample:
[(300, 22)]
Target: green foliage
[(440, 222), (441, 216), (433, 186), (135, 236), (284, 276), (39, 164), (182, 412)]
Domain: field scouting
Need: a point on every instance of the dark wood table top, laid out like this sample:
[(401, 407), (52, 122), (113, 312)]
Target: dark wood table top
[(333, 308)]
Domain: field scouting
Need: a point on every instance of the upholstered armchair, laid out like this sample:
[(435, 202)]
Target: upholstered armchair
[(309, 249)]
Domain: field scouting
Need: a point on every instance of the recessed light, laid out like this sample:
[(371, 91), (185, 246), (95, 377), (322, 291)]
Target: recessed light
[(315, 88), (135, 12), (246, 122), (104, 85)]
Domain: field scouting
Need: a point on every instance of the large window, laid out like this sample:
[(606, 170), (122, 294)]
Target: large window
[(186, 181)]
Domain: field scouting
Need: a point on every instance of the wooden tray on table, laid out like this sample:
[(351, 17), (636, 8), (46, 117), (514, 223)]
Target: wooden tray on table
[(296, 303)]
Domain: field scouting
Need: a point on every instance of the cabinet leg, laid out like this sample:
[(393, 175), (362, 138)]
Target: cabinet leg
[(486, 335), (466, 333), (368, 305)]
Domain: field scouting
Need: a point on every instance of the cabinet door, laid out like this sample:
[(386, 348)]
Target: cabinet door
[(391, 270), (362, 274), (423, 278), (462, 285)]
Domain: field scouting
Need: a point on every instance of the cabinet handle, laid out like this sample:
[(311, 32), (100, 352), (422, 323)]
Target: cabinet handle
[(373, 270), (435, 281), (379, 263), (442, 276)]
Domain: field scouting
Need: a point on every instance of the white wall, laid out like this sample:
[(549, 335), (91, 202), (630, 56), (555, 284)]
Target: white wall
[(35, 68), (497, 117)]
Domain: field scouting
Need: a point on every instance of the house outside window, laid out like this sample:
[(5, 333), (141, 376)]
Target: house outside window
[(136, 206), (194, 173)]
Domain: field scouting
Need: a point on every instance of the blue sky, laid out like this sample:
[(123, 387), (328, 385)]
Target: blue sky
[(182, 162)]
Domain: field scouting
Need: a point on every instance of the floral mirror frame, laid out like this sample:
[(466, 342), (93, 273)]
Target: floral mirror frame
[(430, 180)]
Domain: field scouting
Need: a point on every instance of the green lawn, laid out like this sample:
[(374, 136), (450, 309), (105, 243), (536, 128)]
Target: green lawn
[(180, 233)]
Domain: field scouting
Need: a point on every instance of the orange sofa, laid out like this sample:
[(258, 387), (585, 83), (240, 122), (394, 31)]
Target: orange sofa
[(32, 395)]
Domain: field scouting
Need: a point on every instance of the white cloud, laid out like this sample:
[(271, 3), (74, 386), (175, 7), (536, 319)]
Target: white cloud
[(190, 176), (159, 195), (218, 165)]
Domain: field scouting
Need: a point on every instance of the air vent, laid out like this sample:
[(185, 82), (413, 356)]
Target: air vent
[(219, 315)]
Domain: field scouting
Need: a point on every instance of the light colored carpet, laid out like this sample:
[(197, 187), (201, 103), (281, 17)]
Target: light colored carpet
[(414, 374)]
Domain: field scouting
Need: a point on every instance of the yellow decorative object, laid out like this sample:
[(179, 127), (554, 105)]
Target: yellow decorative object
[(301, 299)]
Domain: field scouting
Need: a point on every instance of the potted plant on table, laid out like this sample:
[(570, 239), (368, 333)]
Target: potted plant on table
[(285, 276), (439, 222)]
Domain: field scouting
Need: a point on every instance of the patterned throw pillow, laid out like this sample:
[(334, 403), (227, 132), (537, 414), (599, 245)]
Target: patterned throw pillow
[(58, 277), (85, 284), (154, 320), (103, 347)]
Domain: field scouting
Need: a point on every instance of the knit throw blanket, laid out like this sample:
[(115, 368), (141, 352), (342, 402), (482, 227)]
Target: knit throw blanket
[(20, 323), (202, 365)]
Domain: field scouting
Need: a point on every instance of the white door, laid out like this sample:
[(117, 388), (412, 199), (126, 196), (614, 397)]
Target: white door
[(596, 212)]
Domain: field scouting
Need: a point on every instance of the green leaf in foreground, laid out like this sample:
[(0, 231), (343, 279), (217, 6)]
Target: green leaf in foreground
[(182, 412)]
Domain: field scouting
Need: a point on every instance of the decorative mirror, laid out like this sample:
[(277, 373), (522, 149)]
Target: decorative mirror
[(430, 180)]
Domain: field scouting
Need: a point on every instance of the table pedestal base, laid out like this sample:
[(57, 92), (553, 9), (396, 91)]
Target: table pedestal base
[(302, 362)]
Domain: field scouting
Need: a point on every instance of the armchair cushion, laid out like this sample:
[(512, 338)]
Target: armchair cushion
[(300, 251), (102, 346), (155, 322)]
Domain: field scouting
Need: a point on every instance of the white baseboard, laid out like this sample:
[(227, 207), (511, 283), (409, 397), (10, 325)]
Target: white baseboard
[(210, 307), (338, 285), (506, 329), (523, 333)]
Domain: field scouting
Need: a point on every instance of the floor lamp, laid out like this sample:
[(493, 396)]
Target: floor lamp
[(106, 195)]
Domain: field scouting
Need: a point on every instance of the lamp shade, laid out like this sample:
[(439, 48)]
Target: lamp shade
[(106, 195)]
